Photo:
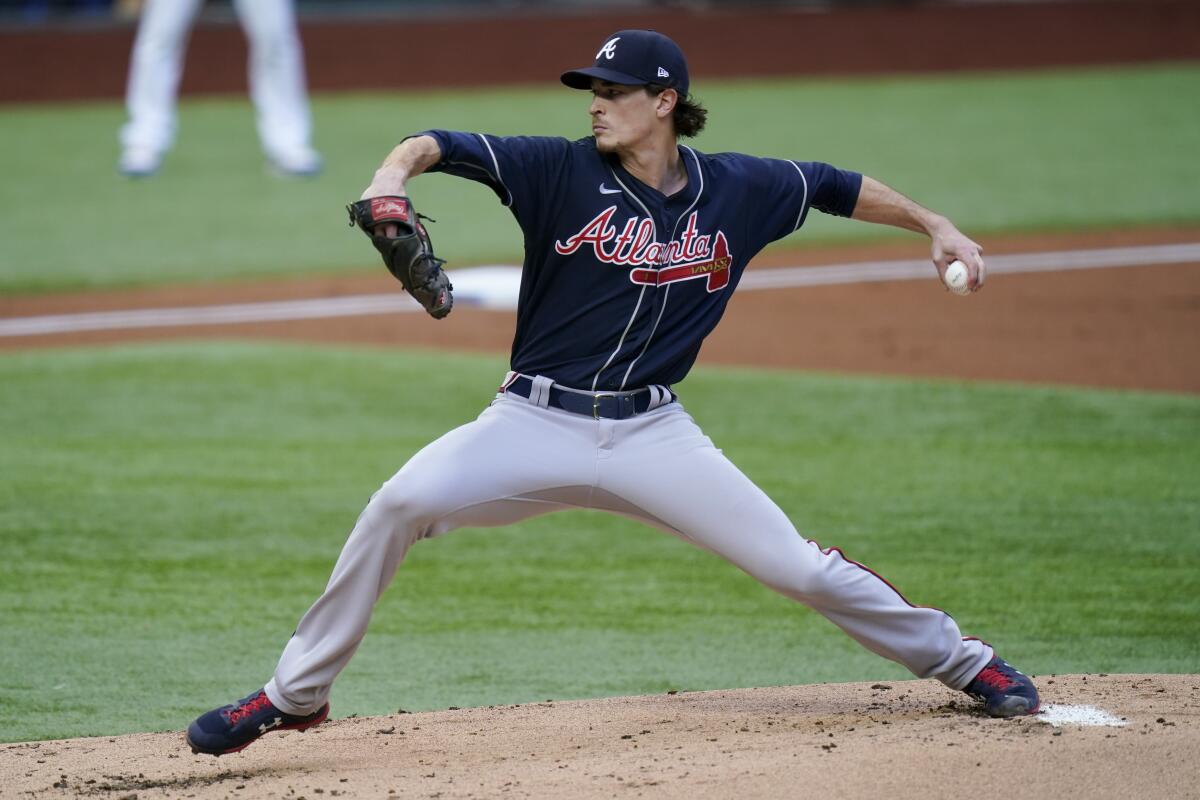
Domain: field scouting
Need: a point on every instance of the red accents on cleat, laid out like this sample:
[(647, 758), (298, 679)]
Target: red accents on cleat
[(995, 678), (240, 712), (232, 728), (1004, 690)]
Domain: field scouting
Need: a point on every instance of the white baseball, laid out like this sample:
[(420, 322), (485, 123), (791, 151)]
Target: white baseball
[(957, 277)]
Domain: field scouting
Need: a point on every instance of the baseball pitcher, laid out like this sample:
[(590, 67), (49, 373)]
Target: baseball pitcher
[(634, 244)]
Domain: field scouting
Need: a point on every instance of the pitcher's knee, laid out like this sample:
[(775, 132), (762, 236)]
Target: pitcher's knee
[(797, 576), (799, 584), (397, 508)]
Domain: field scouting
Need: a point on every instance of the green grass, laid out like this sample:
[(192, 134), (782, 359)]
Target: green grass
[(168, 512), (997, 152)]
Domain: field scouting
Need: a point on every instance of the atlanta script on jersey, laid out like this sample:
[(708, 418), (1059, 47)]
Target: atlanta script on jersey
[(621, 283)]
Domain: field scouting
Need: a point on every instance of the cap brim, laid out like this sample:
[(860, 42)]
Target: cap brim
[(582, 78)]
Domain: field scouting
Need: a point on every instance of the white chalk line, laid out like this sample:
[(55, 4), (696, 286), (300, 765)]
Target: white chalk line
[(916, 269), (496, 287), (1059, 715)]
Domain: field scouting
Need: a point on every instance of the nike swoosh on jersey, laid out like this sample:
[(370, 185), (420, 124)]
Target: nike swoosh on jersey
[(605, 190)]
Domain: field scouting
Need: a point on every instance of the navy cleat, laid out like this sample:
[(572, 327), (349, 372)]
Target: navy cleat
[(232, 728), (1004, 690)]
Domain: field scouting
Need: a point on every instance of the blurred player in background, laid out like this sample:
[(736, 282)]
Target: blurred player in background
[(277, 87)]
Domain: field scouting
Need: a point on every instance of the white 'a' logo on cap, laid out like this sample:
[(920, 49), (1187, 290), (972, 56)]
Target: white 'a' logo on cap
[(610, 48)]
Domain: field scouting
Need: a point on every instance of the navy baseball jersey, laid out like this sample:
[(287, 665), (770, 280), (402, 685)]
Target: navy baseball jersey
[(621, 283)]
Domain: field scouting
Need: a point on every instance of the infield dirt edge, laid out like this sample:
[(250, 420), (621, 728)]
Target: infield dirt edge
[(910, 738)]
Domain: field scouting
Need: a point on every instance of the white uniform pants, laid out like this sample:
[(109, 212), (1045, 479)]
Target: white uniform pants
[(276, 70), (518, 460)]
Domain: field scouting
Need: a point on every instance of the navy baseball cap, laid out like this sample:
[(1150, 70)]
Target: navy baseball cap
[(635, 58)]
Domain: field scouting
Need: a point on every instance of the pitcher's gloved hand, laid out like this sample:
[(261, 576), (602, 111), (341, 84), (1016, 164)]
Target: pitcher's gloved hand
[(409, 254)]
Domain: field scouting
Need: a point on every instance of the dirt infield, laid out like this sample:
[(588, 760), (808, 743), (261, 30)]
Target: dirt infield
[(1130, 327), (901, 740)]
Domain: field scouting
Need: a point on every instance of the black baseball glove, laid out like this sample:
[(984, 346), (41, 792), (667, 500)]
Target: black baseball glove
[(409, 255)]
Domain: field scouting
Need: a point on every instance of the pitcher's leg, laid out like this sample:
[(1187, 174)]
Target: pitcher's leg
[(690, 488), (510, 464)]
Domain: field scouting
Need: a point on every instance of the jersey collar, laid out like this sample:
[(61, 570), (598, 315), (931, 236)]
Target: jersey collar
[(651, 195)]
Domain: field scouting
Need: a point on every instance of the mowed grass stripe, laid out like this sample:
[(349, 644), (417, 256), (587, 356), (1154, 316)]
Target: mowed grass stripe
[(169, 511)]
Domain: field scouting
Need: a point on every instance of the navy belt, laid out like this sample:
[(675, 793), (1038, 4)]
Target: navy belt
[(597, 405)]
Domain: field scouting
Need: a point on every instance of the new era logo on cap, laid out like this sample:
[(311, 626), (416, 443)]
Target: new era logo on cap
[(634, 58)]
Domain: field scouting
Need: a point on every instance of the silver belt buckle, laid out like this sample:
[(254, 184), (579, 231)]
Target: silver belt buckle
[(596, 402)]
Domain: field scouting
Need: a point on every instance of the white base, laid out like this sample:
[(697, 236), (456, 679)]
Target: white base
[(1059, 715)]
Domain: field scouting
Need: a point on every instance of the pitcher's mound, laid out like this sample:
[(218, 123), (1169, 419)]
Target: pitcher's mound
[(1116, 736)]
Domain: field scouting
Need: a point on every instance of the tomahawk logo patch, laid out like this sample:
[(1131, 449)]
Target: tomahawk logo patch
[(714, 268), (693, 255)]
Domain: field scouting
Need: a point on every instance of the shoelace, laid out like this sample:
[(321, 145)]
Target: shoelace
[(258, 702), (996, 678)]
